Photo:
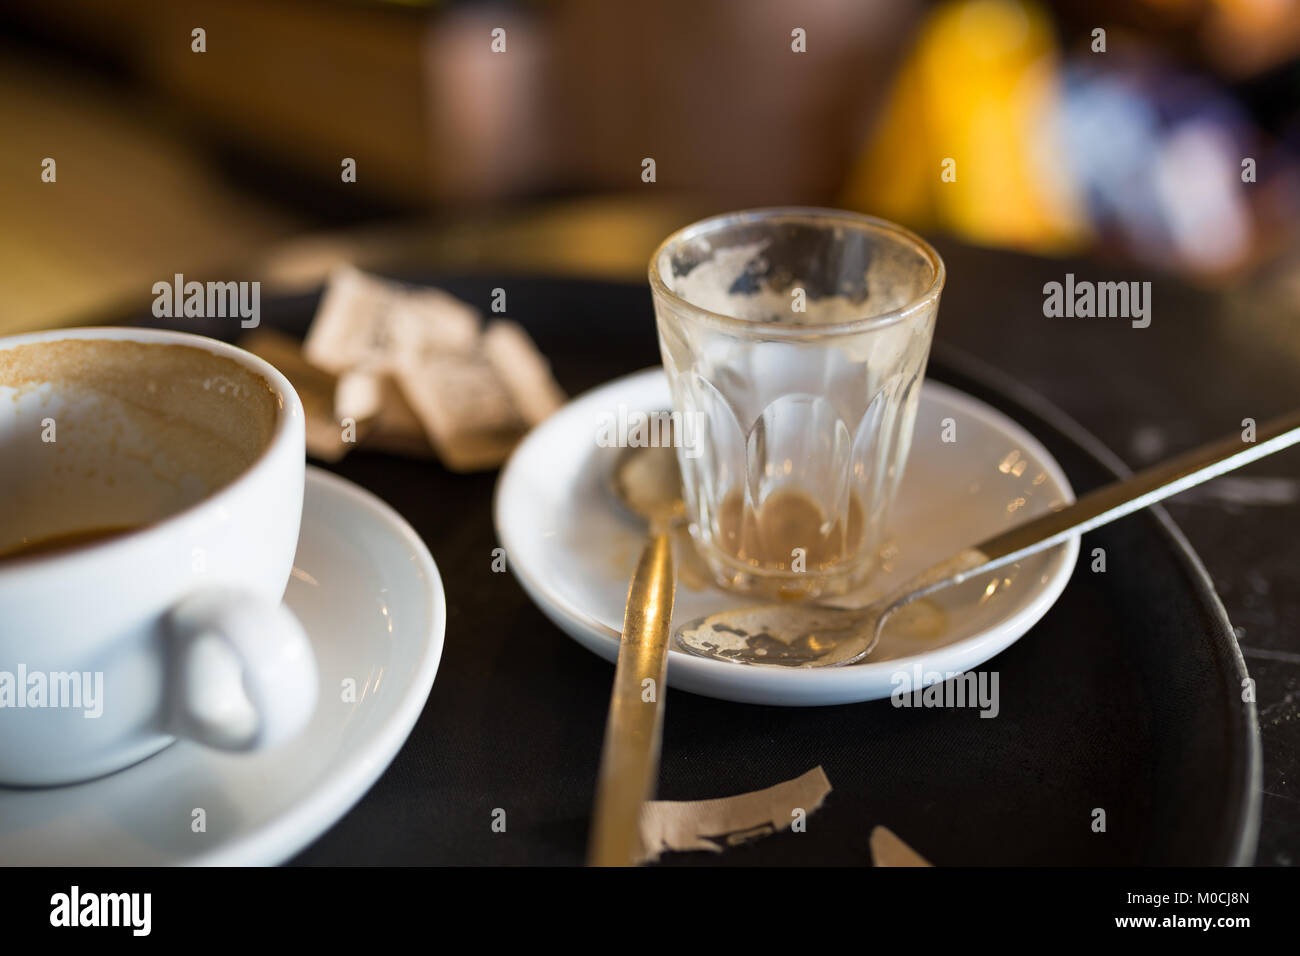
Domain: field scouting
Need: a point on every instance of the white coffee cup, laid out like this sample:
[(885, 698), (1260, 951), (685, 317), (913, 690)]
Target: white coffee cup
[(111, 647)]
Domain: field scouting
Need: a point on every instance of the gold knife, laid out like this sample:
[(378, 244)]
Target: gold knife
[(629, 763)]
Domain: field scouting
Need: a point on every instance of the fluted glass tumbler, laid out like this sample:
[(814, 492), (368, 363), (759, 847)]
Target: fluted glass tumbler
[(795, 341)]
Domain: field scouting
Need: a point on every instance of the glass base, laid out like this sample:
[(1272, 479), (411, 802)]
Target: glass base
[(733, 574)]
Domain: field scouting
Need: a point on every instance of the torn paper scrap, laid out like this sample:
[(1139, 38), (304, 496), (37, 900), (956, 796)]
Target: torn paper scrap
[(888, 850), (714, 825)]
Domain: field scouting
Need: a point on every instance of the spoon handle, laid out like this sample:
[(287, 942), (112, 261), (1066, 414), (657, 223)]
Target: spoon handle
[(1148, 486), (1094, 509)]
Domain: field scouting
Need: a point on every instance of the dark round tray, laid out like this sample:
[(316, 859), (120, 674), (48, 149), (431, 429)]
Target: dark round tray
[(1126, 697)]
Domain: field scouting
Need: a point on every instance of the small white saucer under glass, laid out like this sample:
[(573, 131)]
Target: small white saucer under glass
[(369, 596), (572, 547)]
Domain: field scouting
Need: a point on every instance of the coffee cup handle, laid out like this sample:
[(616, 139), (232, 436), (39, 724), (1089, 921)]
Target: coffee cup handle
[(242, 673)]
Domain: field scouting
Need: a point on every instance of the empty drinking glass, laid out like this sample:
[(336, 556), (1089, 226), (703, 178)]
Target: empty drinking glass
[(795, 341)]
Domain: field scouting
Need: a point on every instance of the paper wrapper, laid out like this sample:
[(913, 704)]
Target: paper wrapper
[(466, 412), (888, 850), (409, 370), (373, 398), (714, 825), (522, 370), (365, 321), (315, 387)]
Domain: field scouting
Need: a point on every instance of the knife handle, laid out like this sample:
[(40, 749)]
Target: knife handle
[(629, 764)]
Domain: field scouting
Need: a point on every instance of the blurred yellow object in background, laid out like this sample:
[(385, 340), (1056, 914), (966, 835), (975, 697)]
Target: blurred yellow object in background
[(966, 142)]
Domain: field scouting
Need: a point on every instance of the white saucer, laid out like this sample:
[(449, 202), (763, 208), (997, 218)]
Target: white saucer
[(573, 548), (369, 595)]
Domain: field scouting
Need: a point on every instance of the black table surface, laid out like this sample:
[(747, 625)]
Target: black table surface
[(1192, 375), (1198, 370)]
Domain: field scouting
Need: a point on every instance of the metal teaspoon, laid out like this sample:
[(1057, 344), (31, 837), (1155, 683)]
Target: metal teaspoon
[(812, 635)]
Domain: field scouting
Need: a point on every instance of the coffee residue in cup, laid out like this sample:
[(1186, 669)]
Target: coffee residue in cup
[(60, 543), (110, 433), (226, 410)]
